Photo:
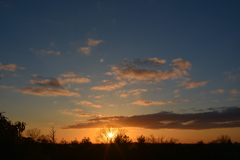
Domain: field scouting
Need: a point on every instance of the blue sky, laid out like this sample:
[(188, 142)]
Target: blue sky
[(85, 64)]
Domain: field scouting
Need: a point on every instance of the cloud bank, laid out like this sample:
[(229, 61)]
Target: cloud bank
[(227, 118)]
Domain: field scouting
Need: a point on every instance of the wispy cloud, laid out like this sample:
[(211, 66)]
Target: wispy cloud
[(110, 86), (126, 93), (85, 50), (218, 91), (154, 61), (179, 62), (147, 103), (86, 103), (6, 87), (233, 99), (227, 118), (46, 92), (90, 43), (235, 91), (47, 83), (74, 80), (190, 84), (44, 52), (10, 67), (93, 42), (69, 74)]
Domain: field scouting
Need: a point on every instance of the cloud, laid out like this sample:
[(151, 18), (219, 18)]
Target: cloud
[(181, 63), (85, 50), (130, 73), (93, 42), (147, 103), (36, 76), (111, 86), (232, 99), (126, 93), (47, 82), (215, 100), (234, 91), (227, 118), (10, 67), (154, 61), (6, 87), (176, 91), (47, 92), (86, 103), (173, 102), (190, 84), (218, 91), (69, 74), (44, 52), (77, 110), (101, 60), (87, 115), (74, 80), (90, 43)]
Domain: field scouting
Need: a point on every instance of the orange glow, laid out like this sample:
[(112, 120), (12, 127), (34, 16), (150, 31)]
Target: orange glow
[(110, 135)]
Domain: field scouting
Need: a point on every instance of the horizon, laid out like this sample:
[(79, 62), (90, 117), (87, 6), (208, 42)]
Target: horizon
[(152, 67)]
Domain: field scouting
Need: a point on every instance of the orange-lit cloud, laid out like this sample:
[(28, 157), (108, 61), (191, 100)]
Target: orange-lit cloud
[(85, 50), (130, 73), (86, 103), (215, 100), (93, 42), (87, 115), (10, 67), (44, 52), (173, 102), (74, 80), (147, 103), (228, 117), (47, 92), (110, 86), (181, 63), (7, 87), (234, 91), (232, 99), (69, 74), (190, 84), (218, 91), (126, 93), (77, 110)]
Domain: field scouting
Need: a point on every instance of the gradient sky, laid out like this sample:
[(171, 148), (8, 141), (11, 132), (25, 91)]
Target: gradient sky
[(166, 67)]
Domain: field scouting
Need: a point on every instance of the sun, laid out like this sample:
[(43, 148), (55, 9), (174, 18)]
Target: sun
[(110, 135)]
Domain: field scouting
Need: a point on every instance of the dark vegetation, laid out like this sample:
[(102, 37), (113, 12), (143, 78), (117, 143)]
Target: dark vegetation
[(37, 146)]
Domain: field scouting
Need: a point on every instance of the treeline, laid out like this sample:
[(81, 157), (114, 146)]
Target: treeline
[(114, 144)]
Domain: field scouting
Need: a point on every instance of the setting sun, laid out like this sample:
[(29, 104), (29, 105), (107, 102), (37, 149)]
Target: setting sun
[(110, 135)]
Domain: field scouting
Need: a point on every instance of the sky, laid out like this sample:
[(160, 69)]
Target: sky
[(168, 67)]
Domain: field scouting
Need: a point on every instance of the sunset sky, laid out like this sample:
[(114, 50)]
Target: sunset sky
[(161, 67)]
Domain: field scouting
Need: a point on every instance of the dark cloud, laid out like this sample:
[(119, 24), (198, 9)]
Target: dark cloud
[(47, 83), (226, 118)]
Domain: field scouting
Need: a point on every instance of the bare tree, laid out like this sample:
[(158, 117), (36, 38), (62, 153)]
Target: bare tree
[(52, 136), (33, 133)]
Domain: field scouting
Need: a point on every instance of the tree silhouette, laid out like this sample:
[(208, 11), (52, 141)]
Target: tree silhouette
[(10, 132), (33, 133), (141, 139), (52, 135)]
